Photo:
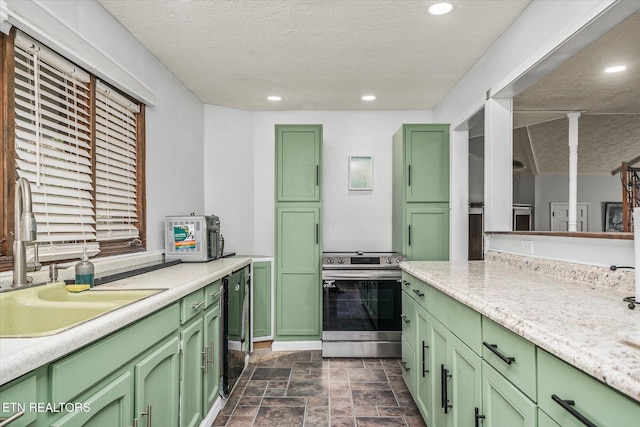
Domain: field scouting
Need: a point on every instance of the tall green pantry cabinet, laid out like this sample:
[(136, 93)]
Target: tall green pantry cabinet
[(420, 210), (298, 232)]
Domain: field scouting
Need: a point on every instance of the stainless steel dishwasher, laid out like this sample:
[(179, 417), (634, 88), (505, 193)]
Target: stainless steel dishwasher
[(236, 330)]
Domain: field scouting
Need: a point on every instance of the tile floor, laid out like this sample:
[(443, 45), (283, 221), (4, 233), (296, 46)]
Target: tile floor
[(301, 389)]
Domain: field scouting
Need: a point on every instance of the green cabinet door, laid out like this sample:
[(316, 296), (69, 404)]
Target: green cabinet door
[(191, 374), (427, 233), (157, 386), (440, 372), (261, 299), (110, 406), (298, 289), (425, 377), (213, 354), (427, 163), (298, 170), (16, 397), (503, 403), (466, 383)]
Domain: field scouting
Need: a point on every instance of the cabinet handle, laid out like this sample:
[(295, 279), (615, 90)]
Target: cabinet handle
[(405, 319), (12, 418), (494, 349), (209, 349), (409, 174), (404, 366), (478, 417), (425, 371), (197, 305), (444, 399), (148, 414), (417, 292), (405, 282), (567, 405), (409, 239), (215, 294), (204, 365), (317, 175)]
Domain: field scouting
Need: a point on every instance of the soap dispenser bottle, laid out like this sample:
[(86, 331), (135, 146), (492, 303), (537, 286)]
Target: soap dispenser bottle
[(85, 270)]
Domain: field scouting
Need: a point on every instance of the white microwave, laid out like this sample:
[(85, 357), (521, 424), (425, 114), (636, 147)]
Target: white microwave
[(192, 238)]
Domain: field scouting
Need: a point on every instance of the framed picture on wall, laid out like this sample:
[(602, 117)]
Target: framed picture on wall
[(360, 173), (613, 217)]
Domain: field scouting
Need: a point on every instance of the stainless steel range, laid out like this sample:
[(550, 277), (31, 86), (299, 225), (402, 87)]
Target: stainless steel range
[(361, 304)]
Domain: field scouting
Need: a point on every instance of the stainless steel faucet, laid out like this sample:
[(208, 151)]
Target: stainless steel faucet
[(25, 232)]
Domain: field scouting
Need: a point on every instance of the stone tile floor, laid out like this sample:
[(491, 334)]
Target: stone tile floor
[(301, 389)]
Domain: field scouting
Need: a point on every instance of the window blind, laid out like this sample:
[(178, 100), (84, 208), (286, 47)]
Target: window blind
[(53, 142), (116, 138)]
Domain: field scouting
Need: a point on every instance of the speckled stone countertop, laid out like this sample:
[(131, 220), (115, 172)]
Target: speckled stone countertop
[(589, 327), (21, 355)]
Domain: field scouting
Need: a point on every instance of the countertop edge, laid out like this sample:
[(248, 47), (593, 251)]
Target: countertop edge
[(610, 372), (27, 354)]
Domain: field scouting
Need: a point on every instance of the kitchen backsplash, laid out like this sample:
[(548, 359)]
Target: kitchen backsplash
[(621, 279)]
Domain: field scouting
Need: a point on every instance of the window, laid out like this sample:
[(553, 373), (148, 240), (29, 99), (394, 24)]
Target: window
[(80, 143)]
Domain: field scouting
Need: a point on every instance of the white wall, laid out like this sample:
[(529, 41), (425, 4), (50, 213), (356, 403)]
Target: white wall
[(351, 220), (86, 33), (228, 174), (595, 190)]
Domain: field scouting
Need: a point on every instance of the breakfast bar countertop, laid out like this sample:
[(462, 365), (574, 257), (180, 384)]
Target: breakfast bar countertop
[(587, 326), (19, 356)]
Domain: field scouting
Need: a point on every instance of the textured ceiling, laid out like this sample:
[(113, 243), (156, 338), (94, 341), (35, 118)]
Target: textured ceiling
[(320, 54)]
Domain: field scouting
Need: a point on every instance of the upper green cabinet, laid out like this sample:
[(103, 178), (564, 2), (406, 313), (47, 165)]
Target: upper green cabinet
[(298, 171), (421, 162)]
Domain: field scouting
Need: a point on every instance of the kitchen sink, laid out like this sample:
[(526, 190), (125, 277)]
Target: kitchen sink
[(49, 309)]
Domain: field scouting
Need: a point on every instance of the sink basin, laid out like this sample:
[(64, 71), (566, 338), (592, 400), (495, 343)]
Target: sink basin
[(49, 309)]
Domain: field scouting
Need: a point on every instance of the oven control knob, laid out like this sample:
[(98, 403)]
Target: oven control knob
[(398, 260), (330, 261), (340, 261), (389, 260)]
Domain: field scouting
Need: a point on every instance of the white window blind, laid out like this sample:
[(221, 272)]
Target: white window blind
[(53, 142), (116, 138)]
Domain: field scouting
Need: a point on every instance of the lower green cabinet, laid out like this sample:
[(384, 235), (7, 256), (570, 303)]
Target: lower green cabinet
[(465, 391), (110, 406), (261, 299), (15, 398), (212, 356), (191, 373), (424, 375), (157, 389), (504, 404)]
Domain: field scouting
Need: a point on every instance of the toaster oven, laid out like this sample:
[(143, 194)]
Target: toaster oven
[(192, 238)]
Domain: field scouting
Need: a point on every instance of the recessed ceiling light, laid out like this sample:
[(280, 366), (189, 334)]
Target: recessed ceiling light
[(440, 8), (369, 98), (274, 98), (615, 69)]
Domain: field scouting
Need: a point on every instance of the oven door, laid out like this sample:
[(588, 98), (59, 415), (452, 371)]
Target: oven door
[(361, 314)]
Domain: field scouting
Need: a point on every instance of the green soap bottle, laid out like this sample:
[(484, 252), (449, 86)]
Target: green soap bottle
[(85, 270)]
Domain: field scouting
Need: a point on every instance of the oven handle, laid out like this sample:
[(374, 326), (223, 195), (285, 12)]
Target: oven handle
[(360, 275)]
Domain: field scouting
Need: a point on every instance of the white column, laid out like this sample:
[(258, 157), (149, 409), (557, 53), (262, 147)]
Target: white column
[(573, 170), (459, 195), (498, 165)]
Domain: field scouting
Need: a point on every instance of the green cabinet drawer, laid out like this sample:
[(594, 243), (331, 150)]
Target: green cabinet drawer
[(408, 363), (559, 382), (408, 317), (75, 373), (511, 355), (213, 293), (418, 291), (192, 305), (462, 321), (16, 397)]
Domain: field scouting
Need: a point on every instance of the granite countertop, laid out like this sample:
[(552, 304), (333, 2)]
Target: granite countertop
[(21, 355), (587, 326)]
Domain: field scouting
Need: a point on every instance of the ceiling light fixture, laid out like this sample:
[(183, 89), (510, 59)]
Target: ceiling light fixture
[(440, 8), (274, 98), (369, 98), (615, 69)]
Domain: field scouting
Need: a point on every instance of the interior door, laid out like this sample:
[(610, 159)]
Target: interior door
[(560, 217)]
